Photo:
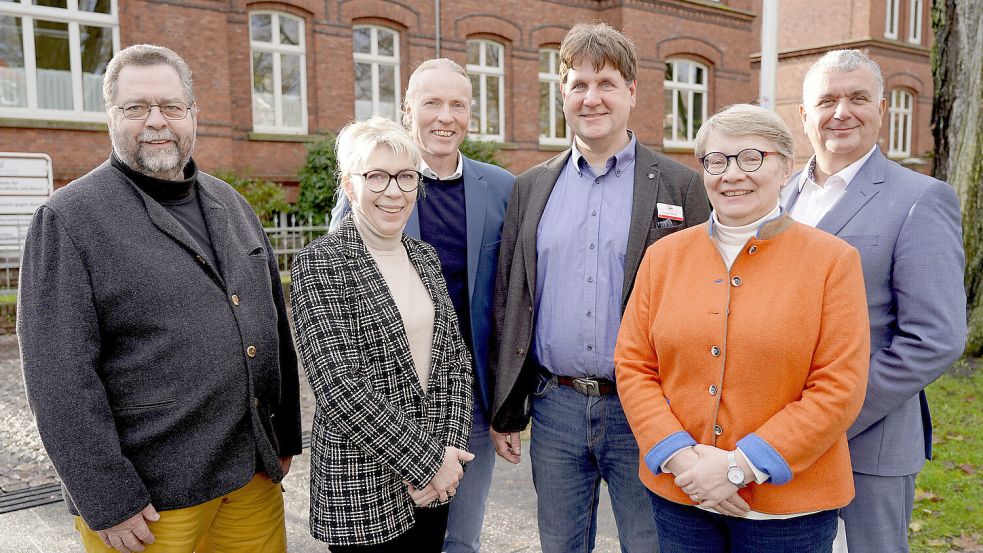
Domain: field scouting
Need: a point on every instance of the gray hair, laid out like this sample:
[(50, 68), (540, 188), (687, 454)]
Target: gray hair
[(412, 89), (357, 141), (145, 55), (746, 120), (845, 61)]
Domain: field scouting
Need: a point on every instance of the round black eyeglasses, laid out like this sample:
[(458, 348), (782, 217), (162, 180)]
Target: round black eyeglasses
[(378, 180), (748, 160)]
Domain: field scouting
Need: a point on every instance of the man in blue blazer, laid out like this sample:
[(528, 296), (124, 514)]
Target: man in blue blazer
[(907, 229), (460, 214)]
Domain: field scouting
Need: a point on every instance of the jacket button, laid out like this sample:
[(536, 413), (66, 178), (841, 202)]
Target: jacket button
[(520, 352), (200, 259), (251, 351), (713, 389), (235, 299), (752, 249), (735, 281), (715, 351), (717, 430)]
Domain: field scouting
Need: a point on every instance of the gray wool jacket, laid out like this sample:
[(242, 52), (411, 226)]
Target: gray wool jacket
[(154, 376)]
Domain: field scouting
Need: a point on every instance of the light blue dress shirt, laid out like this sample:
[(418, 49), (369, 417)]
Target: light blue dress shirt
[(581, 244)]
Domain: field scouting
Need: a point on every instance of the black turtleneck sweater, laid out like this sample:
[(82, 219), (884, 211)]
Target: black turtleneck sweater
[(180, 199)]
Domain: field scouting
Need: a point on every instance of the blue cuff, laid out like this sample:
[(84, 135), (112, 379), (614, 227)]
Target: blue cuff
[(765, 458), (662, 450)]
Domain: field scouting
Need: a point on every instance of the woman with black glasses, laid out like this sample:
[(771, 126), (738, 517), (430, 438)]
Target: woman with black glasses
[(742, 359), (379, 339)]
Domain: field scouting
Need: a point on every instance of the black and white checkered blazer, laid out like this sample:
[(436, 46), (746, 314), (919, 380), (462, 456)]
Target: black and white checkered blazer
[(374, 427)]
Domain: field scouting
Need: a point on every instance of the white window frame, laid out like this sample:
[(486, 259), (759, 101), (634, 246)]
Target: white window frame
[(899, 112), (278, 50), (915, 22), (678, 87), (891, 18), (374, 59), (483, 71), (74, 18), (552, 77)]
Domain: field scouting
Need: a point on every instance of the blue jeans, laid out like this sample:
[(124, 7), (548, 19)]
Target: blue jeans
[(468, 507), (687, 529), (577, 441)]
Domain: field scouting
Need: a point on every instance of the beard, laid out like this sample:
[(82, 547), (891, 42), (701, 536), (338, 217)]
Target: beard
[(163, 163)]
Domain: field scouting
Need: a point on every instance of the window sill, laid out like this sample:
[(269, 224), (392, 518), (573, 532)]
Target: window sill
[(54, 125), (678, 149), (276, 137)]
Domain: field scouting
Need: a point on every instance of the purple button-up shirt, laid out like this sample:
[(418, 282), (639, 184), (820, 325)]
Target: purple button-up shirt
[(581, 243)]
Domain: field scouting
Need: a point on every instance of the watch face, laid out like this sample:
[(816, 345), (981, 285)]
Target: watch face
[(735, 475)]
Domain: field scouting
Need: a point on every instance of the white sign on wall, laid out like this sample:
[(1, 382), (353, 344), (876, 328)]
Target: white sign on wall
[(25, 183)]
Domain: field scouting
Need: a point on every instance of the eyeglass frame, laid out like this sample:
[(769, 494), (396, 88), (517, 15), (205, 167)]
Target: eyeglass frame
[(764, 154), (392, 178), (150, 108)]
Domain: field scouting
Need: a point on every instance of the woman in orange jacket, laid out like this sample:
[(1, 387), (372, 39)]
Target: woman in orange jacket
[(742, 358)]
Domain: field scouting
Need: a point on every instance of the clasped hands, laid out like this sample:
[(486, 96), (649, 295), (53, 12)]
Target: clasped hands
[(701, 472), (444, 484)]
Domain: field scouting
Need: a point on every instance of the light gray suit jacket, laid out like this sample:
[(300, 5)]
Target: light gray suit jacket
[(907, 229)]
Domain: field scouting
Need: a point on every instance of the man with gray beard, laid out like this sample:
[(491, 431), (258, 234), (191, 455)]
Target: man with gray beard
[(156, 351)]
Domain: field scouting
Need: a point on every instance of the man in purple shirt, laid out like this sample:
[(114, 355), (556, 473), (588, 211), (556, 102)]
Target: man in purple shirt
[(575, 231)]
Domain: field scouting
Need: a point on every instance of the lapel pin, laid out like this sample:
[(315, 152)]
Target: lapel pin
[(651, 175)]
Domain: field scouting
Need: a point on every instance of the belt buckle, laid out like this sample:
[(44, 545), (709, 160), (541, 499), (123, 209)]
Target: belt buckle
[(587, 386)]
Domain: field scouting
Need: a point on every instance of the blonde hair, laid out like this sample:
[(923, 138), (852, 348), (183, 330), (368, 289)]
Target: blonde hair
[(598, 44), (357, 141), (746, 120)]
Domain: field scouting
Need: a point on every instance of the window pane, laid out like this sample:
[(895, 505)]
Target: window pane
[(682, 107), (363, 90), (13, 87), (54, 69), (561, 121), (97, 49), (684, 72), (493, 95), (361, 38), (51, 3), (544, 61), (387, 91), (475, 125), (262, 27), (473, 47), (544, 108), (290, 91), (667, 115), (697, 114), (669, 68), (289, 31), (97, 6), (387, 43), (493, 55), (699, 74), (264, 112)]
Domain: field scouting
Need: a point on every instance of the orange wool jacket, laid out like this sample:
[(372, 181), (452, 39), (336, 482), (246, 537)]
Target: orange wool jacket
[(770, 356)]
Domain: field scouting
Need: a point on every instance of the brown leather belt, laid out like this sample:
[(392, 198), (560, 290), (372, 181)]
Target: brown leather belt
[(588, 386)]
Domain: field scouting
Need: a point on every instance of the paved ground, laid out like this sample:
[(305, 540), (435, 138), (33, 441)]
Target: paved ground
[(510, 524)]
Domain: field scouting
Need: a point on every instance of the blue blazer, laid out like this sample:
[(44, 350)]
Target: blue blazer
[(487, 189), (907, 228)]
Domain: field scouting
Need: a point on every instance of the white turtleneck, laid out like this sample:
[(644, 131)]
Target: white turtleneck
[(407, 290), (730, 240)]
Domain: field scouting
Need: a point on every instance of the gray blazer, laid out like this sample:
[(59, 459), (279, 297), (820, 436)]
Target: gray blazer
[(907, 229), (658, 179), (154, 376)]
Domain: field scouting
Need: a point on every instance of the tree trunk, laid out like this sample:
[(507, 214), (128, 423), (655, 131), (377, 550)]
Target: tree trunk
[(957, 120)]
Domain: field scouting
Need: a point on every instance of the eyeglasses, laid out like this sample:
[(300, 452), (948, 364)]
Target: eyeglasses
[(378, 180), (141, 110), (748, 160)]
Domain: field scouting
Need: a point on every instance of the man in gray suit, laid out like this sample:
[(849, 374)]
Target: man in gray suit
[(156, 351), (907, 229), (575, 231)]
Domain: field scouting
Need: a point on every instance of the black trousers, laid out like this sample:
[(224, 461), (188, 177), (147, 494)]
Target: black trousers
[(426, 535)]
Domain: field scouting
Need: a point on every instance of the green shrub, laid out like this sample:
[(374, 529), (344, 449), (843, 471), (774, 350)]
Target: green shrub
[(481, 150), (267, 198), (318, 181)]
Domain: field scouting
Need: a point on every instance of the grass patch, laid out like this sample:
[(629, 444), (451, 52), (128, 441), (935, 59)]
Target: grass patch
[(948, 514)]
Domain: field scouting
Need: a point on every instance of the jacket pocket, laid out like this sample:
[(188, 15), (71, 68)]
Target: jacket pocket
[(144, 406)]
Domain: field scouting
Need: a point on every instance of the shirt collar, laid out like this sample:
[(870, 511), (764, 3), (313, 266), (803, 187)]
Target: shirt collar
[(431, 174), (847, 173), (622, 160)]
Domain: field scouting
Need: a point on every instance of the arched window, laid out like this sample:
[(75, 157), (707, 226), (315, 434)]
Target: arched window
[(279, 72), (377, 84), (552, 124), (486, 67), (899, 123), (685, 103)]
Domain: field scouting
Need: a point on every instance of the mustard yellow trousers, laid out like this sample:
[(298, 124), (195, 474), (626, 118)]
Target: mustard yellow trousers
[(247, 520)]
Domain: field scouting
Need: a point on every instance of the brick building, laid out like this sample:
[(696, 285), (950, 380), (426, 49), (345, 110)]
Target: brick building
[(271, 76)]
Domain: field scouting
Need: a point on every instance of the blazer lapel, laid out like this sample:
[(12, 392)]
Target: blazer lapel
[(440, 336), (475, 200), (645, 195), (538, 196), (790, 192), (413, 222), (217, 223), (864, 187)]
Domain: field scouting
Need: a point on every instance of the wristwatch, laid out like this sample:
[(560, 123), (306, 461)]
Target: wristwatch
[(734, 473)]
